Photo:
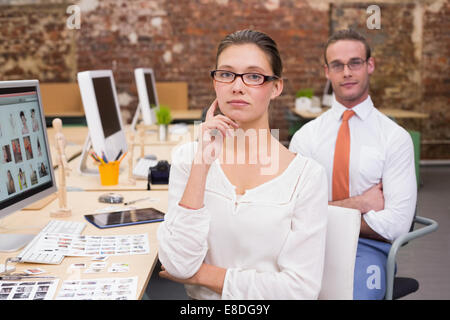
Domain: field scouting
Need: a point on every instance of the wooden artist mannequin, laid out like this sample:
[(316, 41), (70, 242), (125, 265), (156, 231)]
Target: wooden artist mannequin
[(63, 170)]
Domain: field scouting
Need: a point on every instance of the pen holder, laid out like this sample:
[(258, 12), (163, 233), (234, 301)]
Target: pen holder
[(109, 173)]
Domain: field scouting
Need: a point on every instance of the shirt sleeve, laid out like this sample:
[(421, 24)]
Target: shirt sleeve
[(399, 190), (182, 236), (300, 142), (302, 257)]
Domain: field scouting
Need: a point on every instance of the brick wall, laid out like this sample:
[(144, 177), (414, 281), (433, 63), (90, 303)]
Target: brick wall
[(411, 53), (178, 39)]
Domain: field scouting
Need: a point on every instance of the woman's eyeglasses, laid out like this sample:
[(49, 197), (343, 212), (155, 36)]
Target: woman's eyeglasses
[(250, 79)]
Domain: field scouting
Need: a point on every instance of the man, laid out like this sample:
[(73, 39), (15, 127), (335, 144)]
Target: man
[(369, 159)]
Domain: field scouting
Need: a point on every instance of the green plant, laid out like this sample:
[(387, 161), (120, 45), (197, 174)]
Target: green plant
[(309, 93), (163, 115)]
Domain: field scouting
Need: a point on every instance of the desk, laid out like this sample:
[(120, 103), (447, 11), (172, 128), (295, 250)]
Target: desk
[(188, 115), (391, 113), (83, 203), (92, 182), (404, 114), (76, 137), (308, 114), (162, 150)]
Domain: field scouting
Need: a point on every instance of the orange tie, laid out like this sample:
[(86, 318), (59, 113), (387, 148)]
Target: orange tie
[(342, 159)]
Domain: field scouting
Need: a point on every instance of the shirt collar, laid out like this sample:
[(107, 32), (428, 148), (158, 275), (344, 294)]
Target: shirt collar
[(362, 110)]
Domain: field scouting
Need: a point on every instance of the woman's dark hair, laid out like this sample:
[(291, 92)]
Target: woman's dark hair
[(262, 40)]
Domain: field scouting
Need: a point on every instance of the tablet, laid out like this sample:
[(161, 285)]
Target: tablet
[(125, 218)]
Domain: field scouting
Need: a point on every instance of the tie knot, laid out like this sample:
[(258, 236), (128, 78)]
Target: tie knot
[(347, 115)]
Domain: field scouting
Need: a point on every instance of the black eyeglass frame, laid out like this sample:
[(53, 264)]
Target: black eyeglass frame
[(266, 78), (347, 64)]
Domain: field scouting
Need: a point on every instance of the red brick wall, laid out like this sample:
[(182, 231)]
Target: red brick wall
[(411, 52), (183, 48), (178, 39)]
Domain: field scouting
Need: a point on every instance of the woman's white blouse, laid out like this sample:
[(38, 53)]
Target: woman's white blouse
[(271, 240)]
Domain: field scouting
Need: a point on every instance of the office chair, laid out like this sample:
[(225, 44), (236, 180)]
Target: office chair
[(398, 287), (340, 253)]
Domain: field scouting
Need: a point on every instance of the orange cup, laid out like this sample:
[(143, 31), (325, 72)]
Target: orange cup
[(109, 173)]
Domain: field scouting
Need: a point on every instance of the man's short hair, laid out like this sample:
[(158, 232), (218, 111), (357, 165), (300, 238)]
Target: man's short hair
[(346, 34)]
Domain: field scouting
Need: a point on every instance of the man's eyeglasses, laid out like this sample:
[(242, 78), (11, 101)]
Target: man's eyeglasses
[(250, 79), (353, 64)]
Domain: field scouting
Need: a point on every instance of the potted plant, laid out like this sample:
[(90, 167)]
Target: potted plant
[(163, 118), (303, 99), (306, 101)]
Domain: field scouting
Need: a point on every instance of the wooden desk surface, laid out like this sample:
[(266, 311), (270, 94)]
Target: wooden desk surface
[(307, 114), (392, 113), (404, 114), (189, 114), (76, 135), (82, 203)]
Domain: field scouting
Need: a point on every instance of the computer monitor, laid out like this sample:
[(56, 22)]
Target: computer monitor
[(26, 171), (102, 111), (148, 96)]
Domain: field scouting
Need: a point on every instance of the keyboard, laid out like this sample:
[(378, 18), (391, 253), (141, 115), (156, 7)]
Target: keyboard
[(32, 255), (140, 170)]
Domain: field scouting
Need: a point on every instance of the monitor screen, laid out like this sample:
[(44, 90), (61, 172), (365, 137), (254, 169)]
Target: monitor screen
[(106, 105), (150, 89), (25, 159)]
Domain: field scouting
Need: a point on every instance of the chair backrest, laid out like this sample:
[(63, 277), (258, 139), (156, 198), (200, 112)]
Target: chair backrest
[(173, 94), (340, 253), (61, 99)]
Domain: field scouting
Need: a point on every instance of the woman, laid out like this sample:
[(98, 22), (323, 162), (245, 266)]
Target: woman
[(10, 184), (24, 123), (245, 220)]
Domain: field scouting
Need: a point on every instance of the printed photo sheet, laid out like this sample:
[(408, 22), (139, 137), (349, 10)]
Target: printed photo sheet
[(28, 290), (99, 289), (86, 245)]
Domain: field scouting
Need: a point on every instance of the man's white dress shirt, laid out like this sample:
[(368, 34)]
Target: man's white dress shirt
[(380, 151), (271, 239)]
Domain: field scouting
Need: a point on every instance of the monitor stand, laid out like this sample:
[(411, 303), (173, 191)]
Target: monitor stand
[(83, 169), (143, 130), (136, 118), (14, 242)]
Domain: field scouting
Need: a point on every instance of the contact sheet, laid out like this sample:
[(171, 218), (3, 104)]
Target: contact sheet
[(28, 290), (83, 245)]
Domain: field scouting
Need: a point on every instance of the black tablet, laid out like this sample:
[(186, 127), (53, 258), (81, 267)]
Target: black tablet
[(125, 218)]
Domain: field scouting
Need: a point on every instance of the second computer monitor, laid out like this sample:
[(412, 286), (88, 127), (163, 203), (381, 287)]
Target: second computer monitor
[(101, 107), (148, 96)]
